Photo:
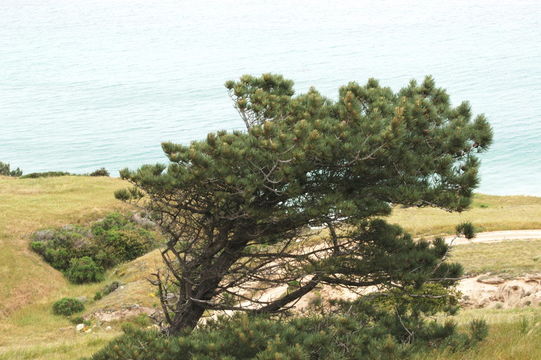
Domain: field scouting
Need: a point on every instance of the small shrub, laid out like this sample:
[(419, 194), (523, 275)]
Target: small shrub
[(5, 170), (467, 229), (106, 243), (478, 330), (110, 287), (67, 306), (77, 320), (111, 222), (127, 244), (84, 270), (98, 295), (100, 172), (140, 321), (59, 246)]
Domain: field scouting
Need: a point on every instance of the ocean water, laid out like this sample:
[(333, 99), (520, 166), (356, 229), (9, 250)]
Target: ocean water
[(92, 83)]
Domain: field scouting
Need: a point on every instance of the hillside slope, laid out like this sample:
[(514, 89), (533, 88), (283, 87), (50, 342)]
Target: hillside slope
[(28, 286)]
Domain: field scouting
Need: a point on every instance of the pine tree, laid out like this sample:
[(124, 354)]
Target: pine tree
[(236, 207)]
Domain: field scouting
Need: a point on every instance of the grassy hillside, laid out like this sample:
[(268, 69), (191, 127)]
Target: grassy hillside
[(29, 286)]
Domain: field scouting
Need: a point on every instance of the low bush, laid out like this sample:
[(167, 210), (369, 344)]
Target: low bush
[(128, 244), (84, 270), (110, 287), (36, 175), (67, 306), (59, 246), (108, 242), (5, 170), (100, 172), (329, 337)]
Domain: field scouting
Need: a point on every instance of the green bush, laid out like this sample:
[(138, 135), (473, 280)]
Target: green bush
[(5, 170), (84, 270), (59, 246), (127, 244), (110, 287), (351, 337), (45, 174), (112, 221), (67, 306), (108, 242), (100, 172)]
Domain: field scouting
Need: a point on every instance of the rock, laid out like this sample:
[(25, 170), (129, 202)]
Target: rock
[(108, 328), (143, 220), (43, 235), (82, 299), (127, 311), (493, 280), (79, 327), (517, 293)]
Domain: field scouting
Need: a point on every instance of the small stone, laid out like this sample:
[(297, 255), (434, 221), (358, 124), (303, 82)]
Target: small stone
[(79, 327), (494, 280), (108, 328)]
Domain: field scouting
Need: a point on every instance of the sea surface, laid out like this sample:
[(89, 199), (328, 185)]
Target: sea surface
[(101, 83)]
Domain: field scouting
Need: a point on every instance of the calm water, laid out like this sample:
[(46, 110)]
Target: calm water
[(92, 83)]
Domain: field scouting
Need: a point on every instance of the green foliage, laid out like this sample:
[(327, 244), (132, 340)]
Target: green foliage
[(59, 246), (84, 252), (77, 320), (109, 288), (236, 204), (67, 306), (84, 270), (357, 336), (36, 175), (466, 229), (100, 172), (5, 170), (478, 330), (128, 244)]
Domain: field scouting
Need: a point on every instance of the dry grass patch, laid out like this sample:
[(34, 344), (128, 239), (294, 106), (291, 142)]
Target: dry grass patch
[(513, 257), (487, 213)]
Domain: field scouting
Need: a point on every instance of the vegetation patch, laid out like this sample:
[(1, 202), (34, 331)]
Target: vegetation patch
[(5, 170), (83, 253), (100, 172), (67, 306), (360, 335), (36, 175), (513, 258)]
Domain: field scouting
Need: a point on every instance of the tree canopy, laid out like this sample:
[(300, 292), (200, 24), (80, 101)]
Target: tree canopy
[(237, 207)]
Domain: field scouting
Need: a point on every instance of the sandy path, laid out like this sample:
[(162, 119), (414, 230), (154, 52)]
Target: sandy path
[(496, 236)]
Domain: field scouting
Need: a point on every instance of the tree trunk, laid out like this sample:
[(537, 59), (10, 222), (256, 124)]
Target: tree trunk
[(187, 319)]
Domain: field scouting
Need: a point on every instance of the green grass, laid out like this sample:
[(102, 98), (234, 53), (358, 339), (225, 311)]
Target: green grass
[(514, 334), (514, 257), (28, 285)]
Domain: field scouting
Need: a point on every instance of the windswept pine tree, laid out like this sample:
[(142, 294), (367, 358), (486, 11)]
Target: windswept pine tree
[(236, 207)]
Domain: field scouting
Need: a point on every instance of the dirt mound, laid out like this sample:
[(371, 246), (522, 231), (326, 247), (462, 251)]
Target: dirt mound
[(496, 292)]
